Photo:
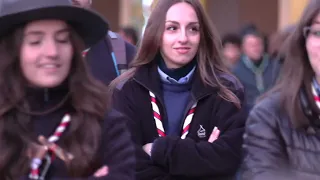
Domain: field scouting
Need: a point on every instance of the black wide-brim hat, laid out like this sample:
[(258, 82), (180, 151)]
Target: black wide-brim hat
[(88, 24)]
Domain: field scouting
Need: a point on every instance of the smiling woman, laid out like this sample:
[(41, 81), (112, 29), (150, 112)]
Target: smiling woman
[(186, 109), (50, 105), (46, 53), (180, 40)]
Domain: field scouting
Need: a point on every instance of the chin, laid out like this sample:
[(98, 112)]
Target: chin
[(184, 61), (49, 84)]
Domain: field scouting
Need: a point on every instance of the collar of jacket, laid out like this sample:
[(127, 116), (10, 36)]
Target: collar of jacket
[(148, 76)]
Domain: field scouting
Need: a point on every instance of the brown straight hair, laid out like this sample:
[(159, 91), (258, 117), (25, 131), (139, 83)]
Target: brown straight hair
[(209, 58)]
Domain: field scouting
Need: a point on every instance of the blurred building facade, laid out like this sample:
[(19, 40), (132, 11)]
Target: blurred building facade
[(227, 15)]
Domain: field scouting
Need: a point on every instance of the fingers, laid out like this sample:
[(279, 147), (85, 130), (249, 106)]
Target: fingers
[(214, 135), (147, 148), (41, 152), (103, 171), (36, 151), (63, 155)]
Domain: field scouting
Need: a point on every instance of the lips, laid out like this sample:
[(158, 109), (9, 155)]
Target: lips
[(182, 50), (50, 66)]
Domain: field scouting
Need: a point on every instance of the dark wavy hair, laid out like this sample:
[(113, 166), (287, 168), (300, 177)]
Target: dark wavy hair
[(86, 96), (209, 58)]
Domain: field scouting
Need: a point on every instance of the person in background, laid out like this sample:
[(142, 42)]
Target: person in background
[(82, 3), (109, 57), (130, 34), (231, 44), (55, 119), (254, 68), (186, 109), (251, 27), (282, 139)]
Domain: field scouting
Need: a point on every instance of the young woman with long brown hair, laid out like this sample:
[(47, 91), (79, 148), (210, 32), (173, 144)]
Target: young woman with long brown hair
[(55, 122), (186, 109), (282, 138)]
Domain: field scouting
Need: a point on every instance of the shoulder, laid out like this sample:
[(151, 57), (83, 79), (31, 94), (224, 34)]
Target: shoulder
[(271, 102), (128, 80), (238, 67), (125, 84), (127, 91), (114, 114), (231, 82), (114, 120), (266, 111)]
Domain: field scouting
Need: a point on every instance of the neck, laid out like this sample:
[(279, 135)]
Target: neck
[(257, 62), (176, 73), (42, 99)]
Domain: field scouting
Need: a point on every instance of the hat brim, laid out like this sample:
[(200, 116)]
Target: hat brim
[(88, 24)]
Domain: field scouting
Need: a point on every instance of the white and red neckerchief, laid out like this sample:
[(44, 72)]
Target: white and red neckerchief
[(36, 163), (315, 95), (315, 92), (85, 52), (158, 119)]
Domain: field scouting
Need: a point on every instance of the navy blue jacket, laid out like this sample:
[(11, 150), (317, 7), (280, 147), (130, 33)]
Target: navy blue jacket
[(101, 62)]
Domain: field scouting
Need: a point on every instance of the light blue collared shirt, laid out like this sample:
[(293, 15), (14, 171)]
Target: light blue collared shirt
[(184, 80)]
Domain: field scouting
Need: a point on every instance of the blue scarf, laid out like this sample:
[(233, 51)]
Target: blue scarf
[(258, 71)]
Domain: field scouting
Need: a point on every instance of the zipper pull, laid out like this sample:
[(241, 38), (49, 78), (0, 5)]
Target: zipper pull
[(46, 95)]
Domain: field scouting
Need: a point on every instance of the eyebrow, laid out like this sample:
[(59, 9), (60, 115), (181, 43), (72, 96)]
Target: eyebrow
[(175, 22), (38, 32)]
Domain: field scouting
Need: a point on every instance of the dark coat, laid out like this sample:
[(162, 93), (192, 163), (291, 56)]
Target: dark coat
[(274, 149), (116, 148), (101, 63), (194, 157)]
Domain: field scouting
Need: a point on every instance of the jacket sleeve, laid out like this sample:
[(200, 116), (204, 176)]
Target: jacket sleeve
[(195, 159), (145, 168), (263, 148), (118, 149)]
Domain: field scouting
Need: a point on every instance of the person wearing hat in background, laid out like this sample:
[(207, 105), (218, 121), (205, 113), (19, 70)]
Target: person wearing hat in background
[(54, 118), (82, 3), (109, 57)]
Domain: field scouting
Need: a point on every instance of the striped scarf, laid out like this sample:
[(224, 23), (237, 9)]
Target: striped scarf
[(258, 71), (315, 88)]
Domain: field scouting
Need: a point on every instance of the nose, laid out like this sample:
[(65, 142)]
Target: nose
[(183, 37), (50, 49)]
